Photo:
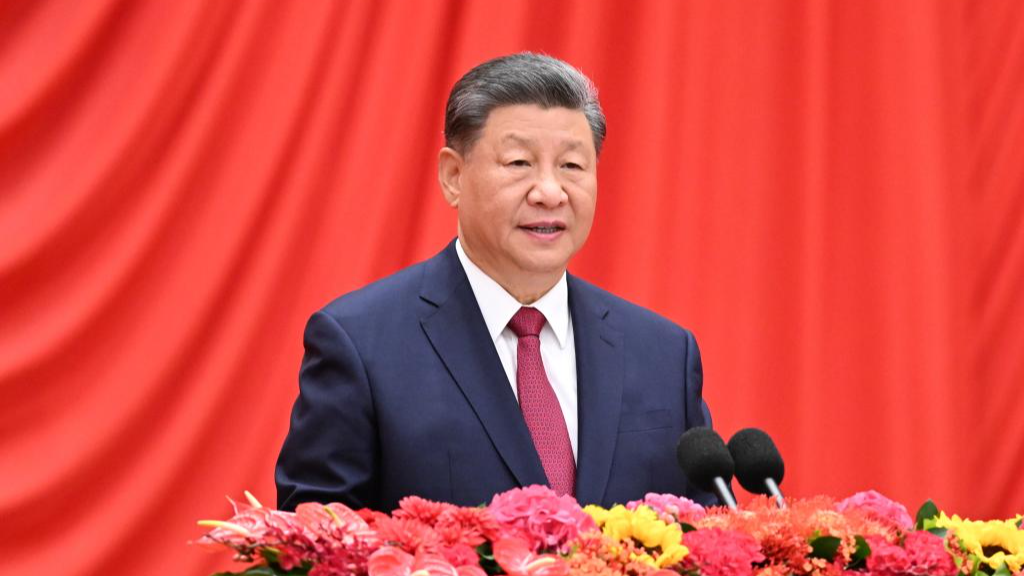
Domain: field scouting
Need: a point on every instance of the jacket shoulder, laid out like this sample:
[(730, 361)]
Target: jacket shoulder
[(627, 315), (382, 297)]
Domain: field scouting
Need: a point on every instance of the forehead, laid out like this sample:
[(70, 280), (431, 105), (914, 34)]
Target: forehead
[(529, 124)]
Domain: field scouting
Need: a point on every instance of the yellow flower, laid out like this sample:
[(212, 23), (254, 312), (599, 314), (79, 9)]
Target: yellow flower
[(597, 513), (993, 542), (643, 526), (672, 555), (618, 523)]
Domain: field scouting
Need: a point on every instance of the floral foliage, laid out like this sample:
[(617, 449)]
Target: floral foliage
[(534, 532)]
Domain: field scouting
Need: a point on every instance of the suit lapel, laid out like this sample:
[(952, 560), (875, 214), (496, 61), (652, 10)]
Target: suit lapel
[(458, 333), (599, 373)]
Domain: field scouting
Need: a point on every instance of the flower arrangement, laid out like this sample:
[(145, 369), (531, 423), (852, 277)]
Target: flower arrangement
[(534, 532)]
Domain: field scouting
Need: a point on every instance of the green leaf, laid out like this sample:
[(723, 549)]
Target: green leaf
[(859, 558), (487, 561), (271, 570), (687, 527), (1003, 570), (927, 511), (254, 571), (824, 547), (940, 532)]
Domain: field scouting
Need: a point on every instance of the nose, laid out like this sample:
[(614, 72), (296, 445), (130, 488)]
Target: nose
[(547, 191)]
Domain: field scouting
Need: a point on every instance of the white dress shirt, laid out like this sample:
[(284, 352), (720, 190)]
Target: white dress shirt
[(557, 348)]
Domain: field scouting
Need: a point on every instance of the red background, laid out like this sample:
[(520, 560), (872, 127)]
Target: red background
[(830, 194)]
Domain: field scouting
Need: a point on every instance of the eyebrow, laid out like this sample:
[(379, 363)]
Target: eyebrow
[(570, 144)]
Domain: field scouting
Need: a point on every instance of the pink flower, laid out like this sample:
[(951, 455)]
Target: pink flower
[(886, 559), (671, 508), (928, 555), (922, 554), (878, 507), (717, 552), (537, 514), (516, 559)]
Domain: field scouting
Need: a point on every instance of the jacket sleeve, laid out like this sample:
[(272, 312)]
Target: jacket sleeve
[(697, 412), (331, 451)]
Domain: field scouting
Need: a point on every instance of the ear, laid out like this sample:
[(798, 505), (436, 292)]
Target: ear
[(449, 174)]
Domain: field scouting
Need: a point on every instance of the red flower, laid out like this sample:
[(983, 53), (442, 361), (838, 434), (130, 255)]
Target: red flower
[(928, 555), (922, 554), (471, 526), (460, 555), (408, 534), (717, 552), (515, 557), (426, 511), (390, 561)]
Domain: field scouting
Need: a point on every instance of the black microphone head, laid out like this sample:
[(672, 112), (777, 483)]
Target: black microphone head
[(756, 458), (702, 455)]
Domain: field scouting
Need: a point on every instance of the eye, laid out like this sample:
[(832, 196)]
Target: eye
[(520, 163), (572, 166)]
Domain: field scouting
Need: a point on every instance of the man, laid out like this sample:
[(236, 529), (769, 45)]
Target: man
[(487, 367)]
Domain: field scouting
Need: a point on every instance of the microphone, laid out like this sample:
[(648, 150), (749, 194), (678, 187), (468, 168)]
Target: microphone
[(706, 461), (759, 466)]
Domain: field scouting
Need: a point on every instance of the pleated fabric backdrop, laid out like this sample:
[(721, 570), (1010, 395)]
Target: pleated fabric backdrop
[(830, 194)]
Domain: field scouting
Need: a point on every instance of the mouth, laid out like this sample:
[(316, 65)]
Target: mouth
[(544, 228)]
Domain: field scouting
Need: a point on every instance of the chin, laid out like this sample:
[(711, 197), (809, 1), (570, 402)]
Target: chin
[(545, 263)]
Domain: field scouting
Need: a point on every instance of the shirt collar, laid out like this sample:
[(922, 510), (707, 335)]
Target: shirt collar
[(498, 306)]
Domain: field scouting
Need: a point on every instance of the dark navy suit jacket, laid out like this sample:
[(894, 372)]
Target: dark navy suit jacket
[(402, 392)]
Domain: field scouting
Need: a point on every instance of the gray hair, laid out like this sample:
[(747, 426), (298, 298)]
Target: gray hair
[(524, 78)]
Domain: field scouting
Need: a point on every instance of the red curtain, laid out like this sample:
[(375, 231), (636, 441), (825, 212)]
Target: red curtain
[(830, 194)]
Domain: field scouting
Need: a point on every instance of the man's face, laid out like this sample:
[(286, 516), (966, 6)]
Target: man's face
[(527, 191)]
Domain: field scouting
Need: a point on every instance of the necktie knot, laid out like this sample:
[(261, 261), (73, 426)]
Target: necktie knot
[(527, 322)]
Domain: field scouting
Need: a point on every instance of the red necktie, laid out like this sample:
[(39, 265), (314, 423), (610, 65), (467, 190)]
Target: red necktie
[(539, 404)]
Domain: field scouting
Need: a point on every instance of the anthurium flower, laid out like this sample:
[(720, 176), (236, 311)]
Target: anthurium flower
[(517, 559), (389, 561)]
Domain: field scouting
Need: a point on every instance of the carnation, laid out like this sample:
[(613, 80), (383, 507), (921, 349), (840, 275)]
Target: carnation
[(537, 514), (922, 554), (879, 508), (928, 555), (717, 552)]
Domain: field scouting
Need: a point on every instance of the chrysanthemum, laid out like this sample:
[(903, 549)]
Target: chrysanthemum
[(663, 542), (426, 511)]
